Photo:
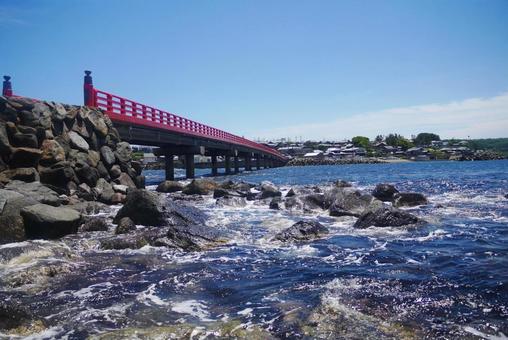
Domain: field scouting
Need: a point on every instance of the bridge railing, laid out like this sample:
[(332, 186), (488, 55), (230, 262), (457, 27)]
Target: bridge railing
[(128, 111)]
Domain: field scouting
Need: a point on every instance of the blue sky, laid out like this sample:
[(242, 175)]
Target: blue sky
[(330, 69)]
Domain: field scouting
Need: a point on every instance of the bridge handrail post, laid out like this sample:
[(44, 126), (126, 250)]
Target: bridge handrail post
[(7, 87), (88, 90)]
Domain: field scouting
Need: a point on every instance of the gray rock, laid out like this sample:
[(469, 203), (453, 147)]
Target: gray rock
[(220, 192), (314, 201), (350, 203), (5, 146), (143, 207), (78, 142), (200, 187), (107, 155), (12, 229), (85, 192), (115, 171), (123, 152), (125, 179), (140, 181), (52, 152), (24, 140), (125, 225), (22, 174), (138, 168), (41, 115), (302, 231), (25, 158), (59, 111), (120, 188), (275, 203), (103, 172), (268, 189), (58, 174), (169, 186), (48, 222), (93, 158), (384, 192), (291, 193), (385, 216), (87, 174), (409, 199), (94, 224), (342, 184), (35, 191), (96, 120), (231, 201), (104, 191), (89, 207), (293, 203)]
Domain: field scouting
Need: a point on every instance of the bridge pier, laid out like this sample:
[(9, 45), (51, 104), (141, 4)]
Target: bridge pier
[(189, 166), (236, 164), (170, 167), (227, 164), (258, 163), (214, 165), (248, 166)]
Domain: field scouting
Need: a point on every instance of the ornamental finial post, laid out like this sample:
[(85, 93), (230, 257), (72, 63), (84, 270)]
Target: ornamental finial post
[(7, 87)]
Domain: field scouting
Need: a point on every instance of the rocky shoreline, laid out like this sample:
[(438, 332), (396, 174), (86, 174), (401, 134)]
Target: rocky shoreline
[(332, 161)]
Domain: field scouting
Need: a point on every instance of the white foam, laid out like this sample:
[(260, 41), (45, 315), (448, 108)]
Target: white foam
[(192, 307)]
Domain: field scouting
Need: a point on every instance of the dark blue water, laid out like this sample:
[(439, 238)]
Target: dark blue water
[(447, 279)]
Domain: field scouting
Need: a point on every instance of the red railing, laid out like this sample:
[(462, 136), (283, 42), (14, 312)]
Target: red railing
[(128, 111)]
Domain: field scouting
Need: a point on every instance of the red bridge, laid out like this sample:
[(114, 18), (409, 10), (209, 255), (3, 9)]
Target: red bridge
[(175, 135)]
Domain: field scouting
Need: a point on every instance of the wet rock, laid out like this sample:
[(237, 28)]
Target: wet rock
[(350, 203), (143, 207), (125, 241), (93, 158), (52, 152), (302, 231), (13, 314), (342, 184), (88, 207), (140, 181), (103, 172), (12, 229), (94, 224), (35, 191), (200, 187), (85, 192), (275, 203), (78, 142), (59, 112), (314, 201), (291, 193), (107, 155), (194, 237), (104, 191), (25, 158), (48, 222), (220, 192), (21, 174), (169, 186), (409, 199), (231, 201), (125, 225), (385, 216), (268, 189), (123, 152), (384, 192), (293, 203), (506, 196)]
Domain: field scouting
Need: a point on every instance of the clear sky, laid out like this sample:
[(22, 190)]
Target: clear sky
[(315, 69)]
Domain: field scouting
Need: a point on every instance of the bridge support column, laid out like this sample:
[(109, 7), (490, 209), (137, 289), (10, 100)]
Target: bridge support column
[(248, 166), (258, 163), (227, 164), (214, 165), (236, 163), (189, 165), (170, 167)]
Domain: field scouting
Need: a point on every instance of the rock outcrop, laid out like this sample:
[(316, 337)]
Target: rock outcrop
[(386, 216), (302, 231)]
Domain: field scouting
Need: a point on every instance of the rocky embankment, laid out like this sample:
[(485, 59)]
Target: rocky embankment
[(57, 161), (332, 161)]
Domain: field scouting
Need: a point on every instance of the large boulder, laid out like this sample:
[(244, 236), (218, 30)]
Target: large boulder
[(48, 222), (107, 156), (125, 225), (104, 191), (200, 187), (78, 142), (384, 192), (87, 174), (385, 216), (268, 189), (350, 203), (94, 224), (143, 207), (169, 186), (26, 140), (123, 152), (96, 121), (52, 152), (22, 174), (302, 231), (25, 158), (231, 201), (35, 191), (409, 199)]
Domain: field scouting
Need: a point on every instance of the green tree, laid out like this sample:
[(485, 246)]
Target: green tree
[(379, 138), (425, 138), (361, 141), (396, 140)]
